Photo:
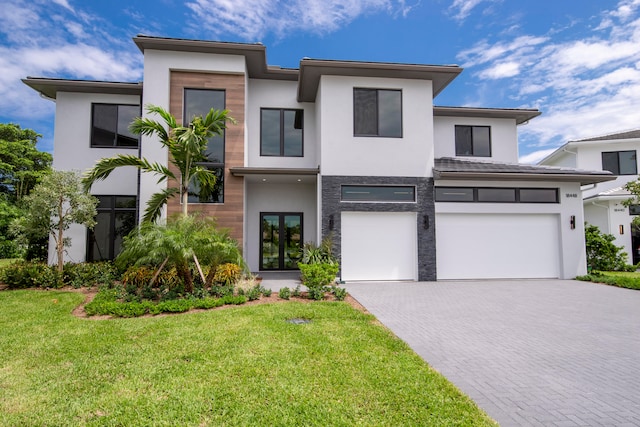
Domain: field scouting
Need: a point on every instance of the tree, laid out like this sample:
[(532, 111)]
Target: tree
[(634, 188), (182, 240), (22, 165), (53, 205), (186, 146)]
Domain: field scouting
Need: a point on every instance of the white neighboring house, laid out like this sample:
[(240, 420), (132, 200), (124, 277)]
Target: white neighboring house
[(603, 207), (355, 150)]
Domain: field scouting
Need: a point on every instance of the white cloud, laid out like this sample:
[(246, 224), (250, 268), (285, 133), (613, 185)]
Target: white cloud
[(462, 8), (584, 86), (252, 19)]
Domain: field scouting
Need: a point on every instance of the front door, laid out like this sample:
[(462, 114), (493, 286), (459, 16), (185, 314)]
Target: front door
[(281, 240)]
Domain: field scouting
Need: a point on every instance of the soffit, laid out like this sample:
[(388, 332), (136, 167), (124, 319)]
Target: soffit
[(50, 87), (519, 115)]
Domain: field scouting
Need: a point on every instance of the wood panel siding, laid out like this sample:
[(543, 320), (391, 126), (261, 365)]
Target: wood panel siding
[(230, 213)]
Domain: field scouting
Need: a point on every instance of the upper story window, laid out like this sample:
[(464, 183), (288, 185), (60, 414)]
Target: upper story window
[(281, 132), (473, 141), (377, 112), (620, 162), (110, 125), (198, 102)]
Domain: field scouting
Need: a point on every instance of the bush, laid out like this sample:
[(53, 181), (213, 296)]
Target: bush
[(619, 281), (253, 293), (602, 254), (284, 293), (339, 293), (317, 275), (25, 274), (227, 274), (89, 274)]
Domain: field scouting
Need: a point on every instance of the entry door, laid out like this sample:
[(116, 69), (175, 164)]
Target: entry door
[(281, 242)]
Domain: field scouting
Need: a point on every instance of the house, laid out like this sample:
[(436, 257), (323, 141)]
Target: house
[(602, 201), (355, 150)]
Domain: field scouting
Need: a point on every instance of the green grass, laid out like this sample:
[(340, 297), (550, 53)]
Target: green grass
[(241, 366), (621, 279), (6, 261)]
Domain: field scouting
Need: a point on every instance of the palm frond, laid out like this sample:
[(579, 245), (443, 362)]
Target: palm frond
[(156, 203), (104, 167)]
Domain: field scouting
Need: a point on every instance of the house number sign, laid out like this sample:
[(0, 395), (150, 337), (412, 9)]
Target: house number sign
[(571, 195)]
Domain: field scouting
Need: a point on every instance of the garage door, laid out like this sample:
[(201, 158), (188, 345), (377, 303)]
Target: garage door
[(379, 246), (487, 246)]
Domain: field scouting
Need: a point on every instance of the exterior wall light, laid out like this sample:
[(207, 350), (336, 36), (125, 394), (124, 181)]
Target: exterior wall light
[(572, 222)]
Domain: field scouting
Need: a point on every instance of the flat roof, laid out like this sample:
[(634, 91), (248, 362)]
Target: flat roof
[(520, 115), (50, 87), (312, 69)]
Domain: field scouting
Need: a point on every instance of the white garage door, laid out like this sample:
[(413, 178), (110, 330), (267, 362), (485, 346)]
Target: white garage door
[(379, 246), (488, 246)]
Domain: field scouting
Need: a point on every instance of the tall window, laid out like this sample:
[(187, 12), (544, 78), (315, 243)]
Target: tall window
[(281, 132), (116, 218), (110, 125), (377, 112), (198, 102), (620, 162), (473, 141)]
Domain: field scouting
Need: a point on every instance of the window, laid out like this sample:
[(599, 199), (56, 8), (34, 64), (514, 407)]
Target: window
[(116, 218), (473, 141), (634, 209), (377, 112), (380, 193), (281, 132), (110, 125), (620, 162), (496, 195), (198, 102)]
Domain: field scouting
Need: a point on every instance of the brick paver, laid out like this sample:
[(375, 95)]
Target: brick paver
[(529, 352)]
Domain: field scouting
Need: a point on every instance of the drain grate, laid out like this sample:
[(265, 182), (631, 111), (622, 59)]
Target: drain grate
[(298, 321)]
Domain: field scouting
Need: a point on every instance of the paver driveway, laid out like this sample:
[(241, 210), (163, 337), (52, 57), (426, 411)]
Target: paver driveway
[(529, 352)]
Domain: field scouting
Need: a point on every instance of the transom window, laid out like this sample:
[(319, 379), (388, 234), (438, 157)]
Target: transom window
[(377, 112), (117, 216), (378, 193), (620, 162), (281, 132), (198, 102), (110, 125), (496, 195), (473, 141)]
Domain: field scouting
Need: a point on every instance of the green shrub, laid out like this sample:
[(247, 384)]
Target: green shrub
[(296, 291), (318, 275), (25, 274), (207, 303), (284, 293), (265, 292), (175, 306), (253, 293), (317, 293), (339, 293), (322, 254), (619, 281), (234, 299), (89, 274), (602, 254)]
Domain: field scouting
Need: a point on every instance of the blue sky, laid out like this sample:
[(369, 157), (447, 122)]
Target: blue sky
[(578, 61)]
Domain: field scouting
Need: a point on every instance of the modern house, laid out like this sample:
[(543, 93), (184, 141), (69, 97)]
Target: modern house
[(355, 150), (603, 207)]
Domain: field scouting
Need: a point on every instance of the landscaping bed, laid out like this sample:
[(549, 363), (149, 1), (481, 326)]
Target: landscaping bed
[(629, 280)]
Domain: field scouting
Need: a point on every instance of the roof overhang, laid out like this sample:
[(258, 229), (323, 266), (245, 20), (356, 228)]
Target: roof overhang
[(246, 171), (312, 69), (519, 115), (506, 176), (50, 87), (254, 53)]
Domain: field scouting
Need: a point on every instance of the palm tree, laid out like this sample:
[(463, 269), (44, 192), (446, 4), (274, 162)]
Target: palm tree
[(186, 145)]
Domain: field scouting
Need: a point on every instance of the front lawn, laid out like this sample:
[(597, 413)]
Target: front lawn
[(236, 366), (621, 279)]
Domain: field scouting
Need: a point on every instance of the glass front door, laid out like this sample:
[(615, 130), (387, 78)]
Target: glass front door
[(281, 242)]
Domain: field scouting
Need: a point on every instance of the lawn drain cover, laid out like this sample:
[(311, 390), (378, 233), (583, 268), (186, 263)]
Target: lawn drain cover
[(298, 321)]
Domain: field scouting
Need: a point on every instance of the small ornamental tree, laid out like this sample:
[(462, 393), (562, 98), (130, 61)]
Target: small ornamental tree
[(53, 205)]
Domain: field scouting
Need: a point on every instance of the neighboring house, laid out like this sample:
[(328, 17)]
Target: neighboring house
[(356, 150), (603, 207)]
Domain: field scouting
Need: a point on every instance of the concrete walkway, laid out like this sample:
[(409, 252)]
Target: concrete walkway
[(530, 353)]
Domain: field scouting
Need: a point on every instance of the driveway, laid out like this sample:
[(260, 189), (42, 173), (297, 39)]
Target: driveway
[(528, 352)]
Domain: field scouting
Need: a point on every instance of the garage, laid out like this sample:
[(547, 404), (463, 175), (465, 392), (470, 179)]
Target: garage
[(494, 246), (379, 246)]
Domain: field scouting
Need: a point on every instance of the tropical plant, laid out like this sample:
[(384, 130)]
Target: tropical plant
[(319, 254), (602, 253), (52, 206), (186, 145), (183, 241)]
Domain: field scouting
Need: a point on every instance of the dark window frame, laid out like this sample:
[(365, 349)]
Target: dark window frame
[(115, 141), (516, 189), (281, 216), (282, 131), (208, 165), (364, 186), (617, 172), (112, 209), (377, 134), (473, 144)]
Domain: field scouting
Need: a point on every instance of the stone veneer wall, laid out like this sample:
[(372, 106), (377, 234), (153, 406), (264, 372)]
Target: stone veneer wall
[(424, 206)]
